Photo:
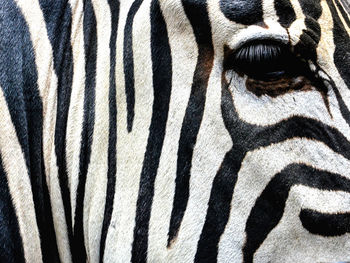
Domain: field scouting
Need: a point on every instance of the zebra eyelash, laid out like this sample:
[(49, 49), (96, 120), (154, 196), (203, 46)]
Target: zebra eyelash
[(260, 52), (264, 60)]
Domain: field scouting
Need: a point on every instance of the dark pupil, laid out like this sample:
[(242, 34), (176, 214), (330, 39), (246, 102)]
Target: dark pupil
[(262, 61)]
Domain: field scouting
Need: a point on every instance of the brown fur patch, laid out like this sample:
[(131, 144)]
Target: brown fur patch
[(278, 87)]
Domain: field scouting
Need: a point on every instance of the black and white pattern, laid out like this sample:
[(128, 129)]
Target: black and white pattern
[(174, 131)]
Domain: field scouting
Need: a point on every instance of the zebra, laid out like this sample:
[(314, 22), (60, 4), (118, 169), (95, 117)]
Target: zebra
[(174, 131)]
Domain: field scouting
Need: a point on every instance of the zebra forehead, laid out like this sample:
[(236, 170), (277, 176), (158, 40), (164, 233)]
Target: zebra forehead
[(249, 12)]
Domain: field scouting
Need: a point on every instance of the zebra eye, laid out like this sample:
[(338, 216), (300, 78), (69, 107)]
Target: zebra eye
[(264, 61)]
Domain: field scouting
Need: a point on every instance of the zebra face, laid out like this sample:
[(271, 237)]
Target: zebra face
[(174, 131), (265, 119)]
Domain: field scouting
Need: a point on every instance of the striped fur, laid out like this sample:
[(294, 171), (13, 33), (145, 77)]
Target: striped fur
[(124, 138)]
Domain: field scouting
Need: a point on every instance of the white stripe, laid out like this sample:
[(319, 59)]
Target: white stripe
[(131, 147), (269, 12), (47, 82), (110, 254), (183, 66), (296, 28), (19, 184), (96, 179), (76, 106)]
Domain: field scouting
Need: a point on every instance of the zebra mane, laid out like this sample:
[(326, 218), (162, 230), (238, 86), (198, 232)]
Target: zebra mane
[(346, 5)]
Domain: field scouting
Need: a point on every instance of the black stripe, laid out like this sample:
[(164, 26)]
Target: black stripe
[(342, 44), (162, 80), (285, 12), (311, 8), (11, 249), (343, 108), (310, 37), (223, 184), (219, 207), (246, 137), (343, 12), (16, 43), (58, 18), (197, 14), (269, 207), (128, 59), (240, 11), (114, 7), (48, 236), (90, 47), (18, 79), (322, 224)]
